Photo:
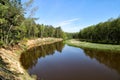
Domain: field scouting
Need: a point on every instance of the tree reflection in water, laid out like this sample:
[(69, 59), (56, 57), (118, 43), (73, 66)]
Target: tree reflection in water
[(110, 59), (30, 57)]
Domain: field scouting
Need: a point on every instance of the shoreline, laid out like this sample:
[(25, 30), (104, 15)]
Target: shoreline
[(11, 67), (93, 46)]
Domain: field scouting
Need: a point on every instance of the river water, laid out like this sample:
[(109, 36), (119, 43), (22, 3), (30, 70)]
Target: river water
[(59, 61)]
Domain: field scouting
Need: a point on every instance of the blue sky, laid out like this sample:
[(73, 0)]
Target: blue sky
[(73, 15)]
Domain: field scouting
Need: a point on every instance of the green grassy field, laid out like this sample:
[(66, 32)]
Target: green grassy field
[(96, 46)]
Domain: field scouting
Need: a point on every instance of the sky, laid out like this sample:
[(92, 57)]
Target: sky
[(74, 15)]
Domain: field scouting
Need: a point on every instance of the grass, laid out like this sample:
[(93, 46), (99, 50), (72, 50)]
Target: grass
[(96, 46)]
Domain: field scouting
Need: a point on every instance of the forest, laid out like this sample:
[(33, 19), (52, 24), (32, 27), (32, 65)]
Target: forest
[(107, 32), (14, 26)]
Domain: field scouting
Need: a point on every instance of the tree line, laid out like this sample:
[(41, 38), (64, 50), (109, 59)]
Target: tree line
[(105, 32), (14, 26), (73, 35)]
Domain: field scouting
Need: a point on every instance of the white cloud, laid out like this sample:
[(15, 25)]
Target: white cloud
[(63, 23)]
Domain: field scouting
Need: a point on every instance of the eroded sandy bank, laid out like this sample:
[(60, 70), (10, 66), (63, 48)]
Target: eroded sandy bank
[(10, 67)]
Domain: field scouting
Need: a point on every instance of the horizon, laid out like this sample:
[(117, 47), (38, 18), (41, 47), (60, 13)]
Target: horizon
[(75, 15)]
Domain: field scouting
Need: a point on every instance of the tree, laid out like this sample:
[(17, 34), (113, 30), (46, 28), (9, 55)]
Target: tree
[(14, 26), (105, 32), (58, 32)]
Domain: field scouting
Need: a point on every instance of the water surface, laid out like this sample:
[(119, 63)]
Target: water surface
[(62, 62)]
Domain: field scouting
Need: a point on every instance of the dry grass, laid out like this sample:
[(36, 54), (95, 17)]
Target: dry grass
[(10, 67)]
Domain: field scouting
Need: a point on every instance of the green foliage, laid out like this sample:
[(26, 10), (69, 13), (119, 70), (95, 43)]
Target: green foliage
[(106, 32), (58, 32), (72, 35), (49, 31), (15, 27), (10, 19), (94, 46), (1, 43)]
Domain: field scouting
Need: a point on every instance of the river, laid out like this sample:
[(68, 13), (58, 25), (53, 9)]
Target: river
[(59, 61)]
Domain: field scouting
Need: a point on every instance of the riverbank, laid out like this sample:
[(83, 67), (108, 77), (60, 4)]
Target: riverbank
[(95, 46), (10, 67)]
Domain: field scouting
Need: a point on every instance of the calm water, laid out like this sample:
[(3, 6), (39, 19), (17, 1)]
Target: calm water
[(62, 62)]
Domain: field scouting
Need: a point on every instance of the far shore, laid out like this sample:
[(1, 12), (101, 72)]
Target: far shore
[(94, 46)]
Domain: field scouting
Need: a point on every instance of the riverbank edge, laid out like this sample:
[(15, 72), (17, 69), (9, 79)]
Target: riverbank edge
[(11, 69), (93, 46)]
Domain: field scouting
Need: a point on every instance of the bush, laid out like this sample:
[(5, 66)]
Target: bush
[(1, 43)]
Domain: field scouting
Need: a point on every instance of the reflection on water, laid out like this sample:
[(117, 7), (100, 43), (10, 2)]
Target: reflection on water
[(31, 56), (59, 62), (110, 59)]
